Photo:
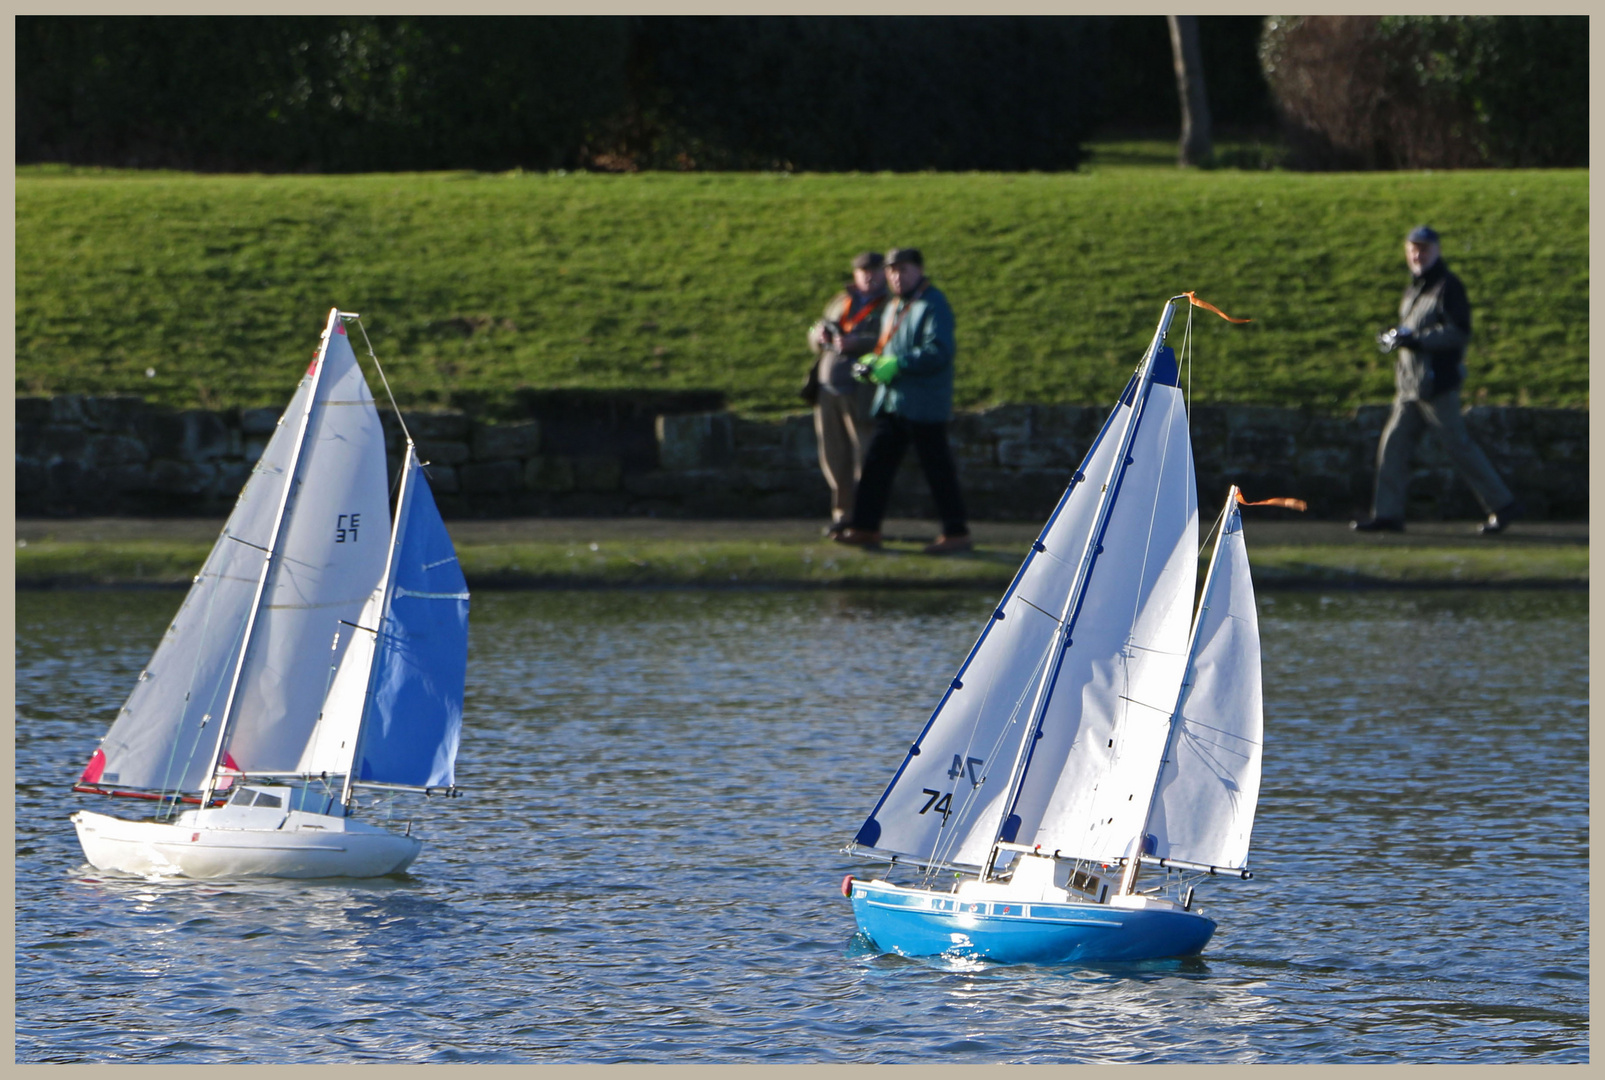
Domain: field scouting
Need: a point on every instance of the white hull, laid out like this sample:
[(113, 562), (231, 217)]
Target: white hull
[(215, 844)]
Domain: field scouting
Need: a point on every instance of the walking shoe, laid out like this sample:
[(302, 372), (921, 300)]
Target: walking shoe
[(830, 532), (950, 545), (863, 538), (1500, 520), (1377, 524)]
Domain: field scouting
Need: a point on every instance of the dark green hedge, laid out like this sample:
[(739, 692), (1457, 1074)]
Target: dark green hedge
[(331, 94), (340, 94)]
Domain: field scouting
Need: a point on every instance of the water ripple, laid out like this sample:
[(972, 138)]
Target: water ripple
[(645, 868)]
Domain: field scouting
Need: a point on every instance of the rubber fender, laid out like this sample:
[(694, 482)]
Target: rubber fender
[(847, 886)]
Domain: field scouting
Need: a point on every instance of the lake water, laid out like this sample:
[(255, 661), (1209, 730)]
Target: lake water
[(645, 867)]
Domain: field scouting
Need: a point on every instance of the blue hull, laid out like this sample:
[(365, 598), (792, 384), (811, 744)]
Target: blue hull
[(914, 922)]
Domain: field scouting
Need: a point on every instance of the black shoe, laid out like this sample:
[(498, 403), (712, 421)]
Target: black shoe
[(1377, 525), (1500, 520)]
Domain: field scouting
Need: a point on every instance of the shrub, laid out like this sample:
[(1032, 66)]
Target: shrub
[(1369, 92)]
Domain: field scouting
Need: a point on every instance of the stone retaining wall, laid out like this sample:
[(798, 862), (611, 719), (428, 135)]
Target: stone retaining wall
[(581, 454)]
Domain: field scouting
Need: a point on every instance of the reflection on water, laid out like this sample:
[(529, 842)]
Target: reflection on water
[(645, 867)]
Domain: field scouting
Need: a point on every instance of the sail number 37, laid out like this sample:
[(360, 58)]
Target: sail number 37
[(346, 524)]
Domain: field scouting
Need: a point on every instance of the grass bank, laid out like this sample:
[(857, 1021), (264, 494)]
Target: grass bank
[(210, 290), (729, 554)]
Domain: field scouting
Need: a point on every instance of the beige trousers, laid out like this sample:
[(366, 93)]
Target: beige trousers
[(1404, 428), (843, 426)]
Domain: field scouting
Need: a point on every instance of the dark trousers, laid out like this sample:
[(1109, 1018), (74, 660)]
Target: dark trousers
[(886, 450)]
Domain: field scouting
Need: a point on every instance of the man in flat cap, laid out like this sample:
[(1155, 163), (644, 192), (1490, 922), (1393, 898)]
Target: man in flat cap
[(1430, 340), (912, 368), (841, 403)]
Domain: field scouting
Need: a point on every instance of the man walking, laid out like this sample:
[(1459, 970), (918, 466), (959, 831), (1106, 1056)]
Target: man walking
[(1434, 326), (842, 403), (913, 370)]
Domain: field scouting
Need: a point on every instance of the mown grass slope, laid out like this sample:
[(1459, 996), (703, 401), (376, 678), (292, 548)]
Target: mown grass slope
[(211, 290)]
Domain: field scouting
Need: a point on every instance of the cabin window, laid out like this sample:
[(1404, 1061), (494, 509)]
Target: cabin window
[(264, 799)]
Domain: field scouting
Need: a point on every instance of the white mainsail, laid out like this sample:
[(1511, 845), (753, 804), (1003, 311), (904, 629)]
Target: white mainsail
[(1091, 774), (1204, 812), (331, 555)]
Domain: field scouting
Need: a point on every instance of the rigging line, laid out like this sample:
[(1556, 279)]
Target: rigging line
[(1148, 540), (380, 369), (1187, 354)]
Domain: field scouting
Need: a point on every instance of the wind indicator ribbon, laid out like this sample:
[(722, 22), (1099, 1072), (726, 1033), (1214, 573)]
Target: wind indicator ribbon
[(1291, 504), (1207, 306)]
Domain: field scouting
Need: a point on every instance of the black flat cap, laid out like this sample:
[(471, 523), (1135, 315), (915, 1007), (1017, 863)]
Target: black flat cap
[(905, 255), (1423, 234), (868, 260)]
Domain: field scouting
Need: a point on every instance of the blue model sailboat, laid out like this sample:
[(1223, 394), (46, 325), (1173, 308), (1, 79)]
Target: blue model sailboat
[(1098, 752), (248, 733)]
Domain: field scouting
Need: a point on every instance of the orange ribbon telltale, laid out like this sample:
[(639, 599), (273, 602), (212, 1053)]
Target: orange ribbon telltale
[(1207, 306), (1291, 504)]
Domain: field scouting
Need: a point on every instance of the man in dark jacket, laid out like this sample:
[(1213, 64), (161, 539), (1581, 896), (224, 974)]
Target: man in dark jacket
[(913, 368), (1430, 339)]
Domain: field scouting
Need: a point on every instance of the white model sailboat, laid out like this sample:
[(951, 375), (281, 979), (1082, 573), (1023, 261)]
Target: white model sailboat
[(245, 715), (1099, 750)]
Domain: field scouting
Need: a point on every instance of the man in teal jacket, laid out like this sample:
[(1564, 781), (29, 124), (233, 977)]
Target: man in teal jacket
[(913, 369)]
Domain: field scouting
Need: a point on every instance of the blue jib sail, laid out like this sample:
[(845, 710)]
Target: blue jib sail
[(415, 714)]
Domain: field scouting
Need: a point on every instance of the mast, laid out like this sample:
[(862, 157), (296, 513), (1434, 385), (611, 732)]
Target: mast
[(1061, 639), (384, 614), (267, 563), (1128, 880)]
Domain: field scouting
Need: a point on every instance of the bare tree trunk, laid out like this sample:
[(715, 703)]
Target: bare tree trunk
[(1189, 61)]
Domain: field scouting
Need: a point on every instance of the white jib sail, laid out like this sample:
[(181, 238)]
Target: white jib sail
[(331, 555), (1210, 784), (334, 738), (164, 735), (1091, 775), (944, 803)]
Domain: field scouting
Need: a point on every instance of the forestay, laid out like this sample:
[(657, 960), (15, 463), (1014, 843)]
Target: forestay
[(1210, 785)]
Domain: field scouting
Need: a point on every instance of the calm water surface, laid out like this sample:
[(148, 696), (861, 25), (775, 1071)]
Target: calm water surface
[(646, 864)]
